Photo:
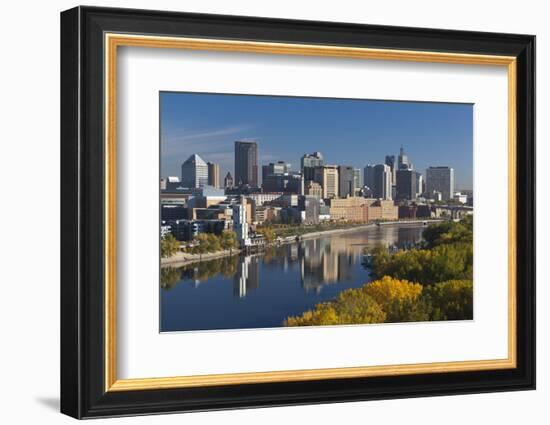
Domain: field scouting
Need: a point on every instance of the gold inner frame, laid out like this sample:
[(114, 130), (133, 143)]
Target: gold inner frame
[(113, 41)]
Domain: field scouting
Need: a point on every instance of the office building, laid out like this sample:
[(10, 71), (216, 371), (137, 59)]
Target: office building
[(213, 175), (309, 162), (279, 167), (419, 184), (368, 176), (194, 172), (358, 178), (390, 161), (327, 177), (440, 179), (240, 222), (313, 189), (286, 183), (382, 182), (346, 181), (406, 184), (246, 163)]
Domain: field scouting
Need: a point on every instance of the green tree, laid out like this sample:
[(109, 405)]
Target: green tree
[(169, 245), (451, 300)]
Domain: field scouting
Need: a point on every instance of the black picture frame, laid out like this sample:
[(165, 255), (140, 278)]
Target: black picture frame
[(82, 219)]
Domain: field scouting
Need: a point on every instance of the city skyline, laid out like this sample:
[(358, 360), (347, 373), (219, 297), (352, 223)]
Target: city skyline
[(346, 131)]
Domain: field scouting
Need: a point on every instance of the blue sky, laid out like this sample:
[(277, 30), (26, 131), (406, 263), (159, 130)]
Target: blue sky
[(345, 131)]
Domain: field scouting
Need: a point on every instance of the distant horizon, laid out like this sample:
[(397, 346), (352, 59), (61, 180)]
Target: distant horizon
[(352, 132)]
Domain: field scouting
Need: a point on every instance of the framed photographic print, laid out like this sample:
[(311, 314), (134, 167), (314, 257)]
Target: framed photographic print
[(261, 212)]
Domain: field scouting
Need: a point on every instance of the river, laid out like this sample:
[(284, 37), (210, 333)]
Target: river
[(261, 290)]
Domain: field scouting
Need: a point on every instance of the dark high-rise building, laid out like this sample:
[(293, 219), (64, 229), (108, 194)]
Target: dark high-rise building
[(308, 164), (390, 161), (286, 183), (346, 185), (279, 167), (368, 178), (440, 179), (246, 163), (406, 184)]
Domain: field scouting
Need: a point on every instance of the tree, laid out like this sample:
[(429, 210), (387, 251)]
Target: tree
[(451, 300), (269, 234), (169, 245), (229, 240), (397, 298)]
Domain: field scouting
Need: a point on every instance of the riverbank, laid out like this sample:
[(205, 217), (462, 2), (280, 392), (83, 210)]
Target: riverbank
[(321, 233), (183, 259)]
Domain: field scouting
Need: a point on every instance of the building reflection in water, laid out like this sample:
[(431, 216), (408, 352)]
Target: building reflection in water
[(321, 261), (247, 277)]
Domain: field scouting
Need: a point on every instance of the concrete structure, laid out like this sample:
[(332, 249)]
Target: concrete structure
[(246, 163), (346, 181), (440, 179), (194, 172), (419, 184), (327, 177), (213, 175)]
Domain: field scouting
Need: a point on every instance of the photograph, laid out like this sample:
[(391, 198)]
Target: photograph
[(285, 211)]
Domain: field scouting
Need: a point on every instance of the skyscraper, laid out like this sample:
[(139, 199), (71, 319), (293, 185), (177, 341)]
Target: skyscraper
[(346, 185), (390, 160), (403, 160), (194, 172), (381, 181), (358, 178), (368, 174), (327, 177), (308, 163), (213, 174), (440, 179), (246, 163), (406, 184)]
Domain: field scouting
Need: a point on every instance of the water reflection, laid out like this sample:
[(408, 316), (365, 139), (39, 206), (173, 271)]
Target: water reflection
[(265, 288)]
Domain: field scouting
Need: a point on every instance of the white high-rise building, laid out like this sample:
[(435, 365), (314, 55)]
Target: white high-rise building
[(240, 223), (440, 179), (194, 172), (382, 182)]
